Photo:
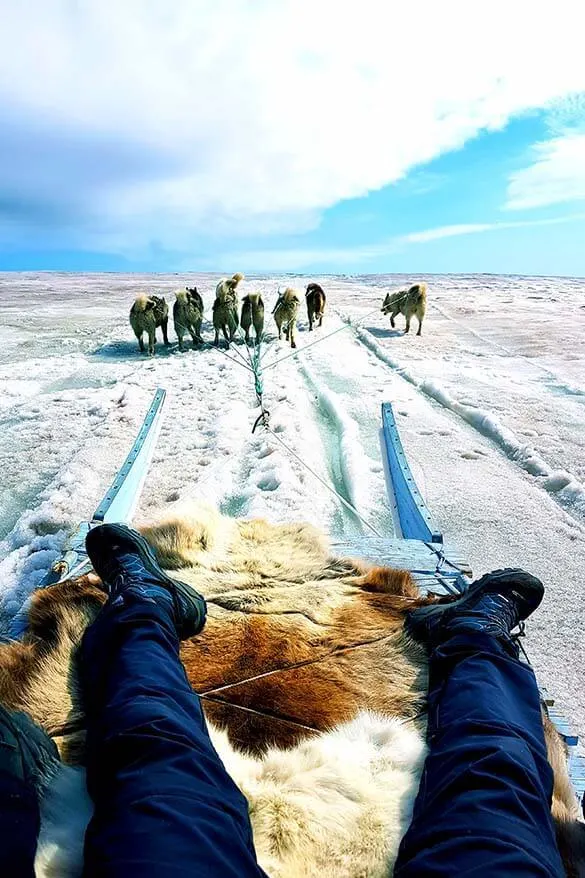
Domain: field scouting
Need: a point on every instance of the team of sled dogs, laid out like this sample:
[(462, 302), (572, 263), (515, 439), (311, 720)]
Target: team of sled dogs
[(149, 312)]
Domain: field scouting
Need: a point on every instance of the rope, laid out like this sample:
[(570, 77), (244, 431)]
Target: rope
[(325, 484), (394, 301), (295, 353), (255, 366), (331, 653)]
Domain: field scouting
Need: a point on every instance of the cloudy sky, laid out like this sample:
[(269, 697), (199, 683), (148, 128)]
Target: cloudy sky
[(292, 135)]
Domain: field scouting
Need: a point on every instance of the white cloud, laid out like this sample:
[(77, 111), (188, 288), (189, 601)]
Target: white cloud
[(296, 259), (259, 114), (556, 175)]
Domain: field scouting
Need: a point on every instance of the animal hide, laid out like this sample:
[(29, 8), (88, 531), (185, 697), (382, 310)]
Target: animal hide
[(313, 694), (335, 806)]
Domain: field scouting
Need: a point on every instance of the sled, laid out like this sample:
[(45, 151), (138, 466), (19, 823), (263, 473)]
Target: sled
[(117, 505), (417, 547), (436, 569)]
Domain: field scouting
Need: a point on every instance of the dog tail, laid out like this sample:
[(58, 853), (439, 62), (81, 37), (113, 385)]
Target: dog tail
[(142, 303), (237, 278), (422, 293)]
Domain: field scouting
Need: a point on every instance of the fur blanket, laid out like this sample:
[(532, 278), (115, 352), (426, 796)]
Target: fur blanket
[(313, 694)]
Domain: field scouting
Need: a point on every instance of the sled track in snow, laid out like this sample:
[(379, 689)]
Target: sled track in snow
[(564, 488), (334, 424)]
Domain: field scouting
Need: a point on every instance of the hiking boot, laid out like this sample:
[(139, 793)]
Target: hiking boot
[(27, 753), (494, 605), (124, 561)]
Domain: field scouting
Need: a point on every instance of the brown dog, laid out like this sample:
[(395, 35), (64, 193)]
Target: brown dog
[(315, 298)]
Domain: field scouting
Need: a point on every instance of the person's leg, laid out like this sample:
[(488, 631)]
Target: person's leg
[(164, 803), (483, 806), (19, 827), (27, 755)]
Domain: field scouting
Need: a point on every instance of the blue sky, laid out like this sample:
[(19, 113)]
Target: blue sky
[(291, 136)]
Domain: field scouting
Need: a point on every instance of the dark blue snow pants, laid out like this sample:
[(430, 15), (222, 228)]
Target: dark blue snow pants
[(165, 806), (19, 827), (483, 806)]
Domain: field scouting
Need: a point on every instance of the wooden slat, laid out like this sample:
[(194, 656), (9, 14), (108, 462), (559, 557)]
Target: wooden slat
[(412, 555)]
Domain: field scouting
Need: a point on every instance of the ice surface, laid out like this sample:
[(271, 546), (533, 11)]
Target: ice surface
[(490, 403)]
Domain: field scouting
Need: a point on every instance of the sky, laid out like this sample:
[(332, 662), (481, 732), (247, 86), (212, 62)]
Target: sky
[(305, 136)]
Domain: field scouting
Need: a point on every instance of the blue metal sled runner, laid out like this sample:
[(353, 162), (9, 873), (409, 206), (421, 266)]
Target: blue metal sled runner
[(118, 504)]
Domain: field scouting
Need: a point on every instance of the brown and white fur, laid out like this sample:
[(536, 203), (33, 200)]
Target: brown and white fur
[(146, 314), (285, 315), (225, 308), (313, 695), (316, 299), (408, 302), (188, 315), (253, 314)]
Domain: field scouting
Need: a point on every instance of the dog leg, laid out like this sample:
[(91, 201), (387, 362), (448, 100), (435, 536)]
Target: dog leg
[(407, 325), (140, 343), (419, 326), (310, 316), (165, 325), (216, 341), (392, 323), (226, 335), (293, 343), (180, 337), (151, 341)]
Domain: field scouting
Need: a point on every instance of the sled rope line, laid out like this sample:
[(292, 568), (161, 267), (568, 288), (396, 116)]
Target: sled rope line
[(263, 418), (322, 338), (257, 369), (263, 713), (332, 653), (287, 720), (325, 484)]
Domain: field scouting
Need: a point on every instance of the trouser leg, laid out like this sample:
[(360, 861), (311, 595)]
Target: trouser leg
[(164, 803), (483, 806)]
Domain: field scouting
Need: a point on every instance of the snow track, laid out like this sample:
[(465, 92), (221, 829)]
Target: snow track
[(564, 486), (489, 401)]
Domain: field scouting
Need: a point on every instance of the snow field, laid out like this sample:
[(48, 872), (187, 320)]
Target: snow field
[(490, 403)]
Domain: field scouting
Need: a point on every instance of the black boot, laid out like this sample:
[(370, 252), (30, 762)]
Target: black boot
[(495, 604), (124, 561)]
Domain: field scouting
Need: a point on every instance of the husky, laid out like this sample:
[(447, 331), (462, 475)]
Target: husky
[(285, 314), (146, 314), (225, 308), (252, 313), (408, 302), (188, 315)]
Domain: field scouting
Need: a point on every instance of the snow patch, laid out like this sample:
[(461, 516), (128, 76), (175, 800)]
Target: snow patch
[(571, 493)]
